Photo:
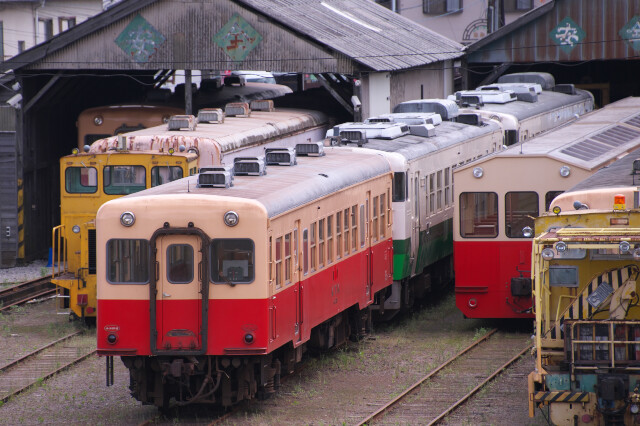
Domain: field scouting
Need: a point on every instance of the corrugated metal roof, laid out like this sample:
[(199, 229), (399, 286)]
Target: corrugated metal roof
[(305, 35), (564, 30), (362, 30)]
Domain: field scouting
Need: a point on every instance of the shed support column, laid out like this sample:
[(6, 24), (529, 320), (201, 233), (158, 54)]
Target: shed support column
[(188, 95)]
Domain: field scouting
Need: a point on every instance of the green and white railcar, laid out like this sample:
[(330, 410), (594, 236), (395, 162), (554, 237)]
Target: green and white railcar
[(423, 149)]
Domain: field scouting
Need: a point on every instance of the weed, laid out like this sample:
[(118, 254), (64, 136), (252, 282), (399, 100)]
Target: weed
[(44, 271), (480, 332)]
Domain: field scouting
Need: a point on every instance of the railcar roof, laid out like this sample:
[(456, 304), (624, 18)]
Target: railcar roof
[(232, 134), (286, 187), (616, 174), (447, 134), (547, 100), (589, 142)]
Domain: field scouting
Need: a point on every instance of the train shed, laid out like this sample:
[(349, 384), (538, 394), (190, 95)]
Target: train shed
[(594, 44), (357, 47)]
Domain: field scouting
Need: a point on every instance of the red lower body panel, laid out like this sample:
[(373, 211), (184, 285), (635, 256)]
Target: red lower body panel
[(483, 273), (287, 317)]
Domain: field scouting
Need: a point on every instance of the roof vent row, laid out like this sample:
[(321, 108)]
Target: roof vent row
[(222, 176), (217, 115)]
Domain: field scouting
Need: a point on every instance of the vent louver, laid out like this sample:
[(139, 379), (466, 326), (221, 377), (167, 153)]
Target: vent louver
[(262, 105), (249, 166), (215, 177), (237, 109), (311, 149), (280, 156), (179, 122), (211, 115)]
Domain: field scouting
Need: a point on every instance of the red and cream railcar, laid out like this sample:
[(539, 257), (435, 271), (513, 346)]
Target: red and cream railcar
[(209, 293), (500, 195)]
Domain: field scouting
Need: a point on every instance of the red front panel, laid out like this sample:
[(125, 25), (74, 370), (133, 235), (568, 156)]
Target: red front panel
[(288, 316), (229, 322), (483, 271)]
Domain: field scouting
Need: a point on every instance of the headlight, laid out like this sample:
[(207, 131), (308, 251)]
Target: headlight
[(565, 171), (478, 172), (556, 210), (231, 218), (97, 120), (527, 232), (634, 409), (127, 219), (561, 246), (625, 247), (75, 229), (547, 254)]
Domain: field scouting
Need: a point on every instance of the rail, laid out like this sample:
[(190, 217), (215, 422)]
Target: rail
[(26, 291)]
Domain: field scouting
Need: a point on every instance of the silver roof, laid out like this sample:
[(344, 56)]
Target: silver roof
[(593, 140), (447, 133), (547, 101)]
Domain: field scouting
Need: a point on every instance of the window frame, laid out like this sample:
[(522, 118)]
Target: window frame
[(145, 262)]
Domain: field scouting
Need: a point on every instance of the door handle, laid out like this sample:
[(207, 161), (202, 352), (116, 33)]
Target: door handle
[(165, 294)]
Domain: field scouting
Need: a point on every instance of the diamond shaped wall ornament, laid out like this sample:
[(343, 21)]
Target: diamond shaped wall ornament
[(237, 38), (140, 40), (631, 33), (567, 34)]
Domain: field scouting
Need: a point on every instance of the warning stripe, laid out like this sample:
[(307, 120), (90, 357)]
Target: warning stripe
[(580, 308), (561, 396), (20, 254)]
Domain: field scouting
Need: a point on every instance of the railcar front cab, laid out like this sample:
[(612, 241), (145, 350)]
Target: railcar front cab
[(88, 181), (586, 272)]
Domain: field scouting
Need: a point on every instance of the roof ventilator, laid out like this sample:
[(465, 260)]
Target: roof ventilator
[(310, 149), (424, 130), (179, 122), (525, 92), (215, 177), (446, 108), (471, 119), (544, 79), (280, 156), (359, 133), (481, 97), (237, 109), (567, 89), (249, 166), (410, 118), (122, 143), (211, 115), (262, 105)]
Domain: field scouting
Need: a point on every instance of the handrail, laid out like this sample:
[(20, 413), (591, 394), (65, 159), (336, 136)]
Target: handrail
[(59, 252)]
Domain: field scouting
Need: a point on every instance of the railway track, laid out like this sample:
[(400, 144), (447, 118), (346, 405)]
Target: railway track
[(449, 386), (20, 374), (26, 291)]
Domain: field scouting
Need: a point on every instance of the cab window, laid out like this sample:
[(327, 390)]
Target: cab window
[(128, 261), (123, 180), (165, 174), (232, 261), (81, 180), (478, 214), (520, 208)]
